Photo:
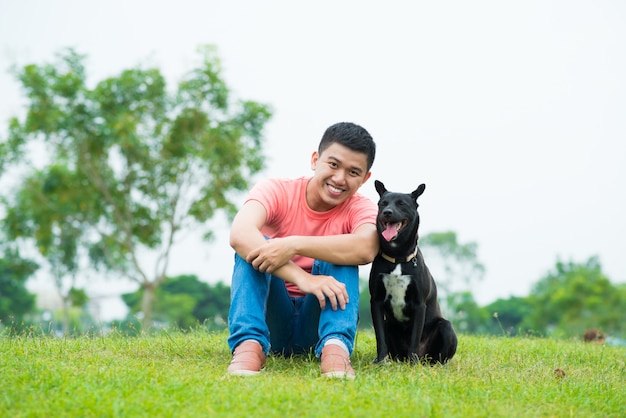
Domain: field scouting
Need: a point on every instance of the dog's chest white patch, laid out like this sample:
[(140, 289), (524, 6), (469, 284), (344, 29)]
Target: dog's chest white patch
[(396, 285)]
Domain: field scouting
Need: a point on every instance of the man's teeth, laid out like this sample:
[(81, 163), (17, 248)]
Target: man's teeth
[(334, 189)]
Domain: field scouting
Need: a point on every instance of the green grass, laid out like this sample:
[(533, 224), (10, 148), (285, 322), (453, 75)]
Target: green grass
[(174, 374)]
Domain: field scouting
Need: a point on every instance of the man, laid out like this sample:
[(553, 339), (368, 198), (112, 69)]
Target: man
[(298, 244)]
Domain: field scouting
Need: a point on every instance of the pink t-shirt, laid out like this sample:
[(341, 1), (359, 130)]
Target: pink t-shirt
[(288, 214)]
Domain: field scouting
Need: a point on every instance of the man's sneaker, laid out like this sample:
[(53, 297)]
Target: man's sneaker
[(248, 359), (336, 362)]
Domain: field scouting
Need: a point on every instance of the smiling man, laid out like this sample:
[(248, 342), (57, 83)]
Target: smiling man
[(298, 244)]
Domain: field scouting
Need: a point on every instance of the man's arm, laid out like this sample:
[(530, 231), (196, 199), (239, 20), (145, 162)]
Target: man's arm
[(245, 232), (357, 248), (246, 238)]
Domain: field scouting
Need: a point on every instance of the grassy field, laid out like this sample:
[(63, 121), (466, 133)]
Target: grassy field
[(174, 374)]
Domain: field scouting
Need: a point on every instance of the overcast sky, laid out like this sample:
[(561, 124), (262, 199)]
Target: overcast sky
[(512, 113)]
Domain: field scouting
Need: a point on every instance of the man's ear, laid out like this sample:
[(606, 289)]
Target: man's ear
[(367, 176), (314, 159)]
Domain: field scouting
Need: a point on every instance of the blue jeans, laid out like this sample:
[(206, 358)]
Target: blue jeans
[(262, 310)]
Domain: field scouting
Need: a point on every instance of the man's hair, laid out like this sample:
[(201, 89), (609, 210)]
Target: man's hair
[(352, 136)]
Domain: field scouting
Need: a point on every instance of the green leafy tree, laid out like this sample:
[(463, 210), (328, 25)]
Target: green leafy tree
[(365, 311), (575, 297), (186, 301), (156, 163), (15, 300), (507, 315), (212, 309), (458, 263), (469, 318), (51, 209), (455, 267)]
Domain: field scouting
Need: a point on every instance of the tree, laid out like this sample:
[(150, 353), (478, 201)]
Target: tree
[(575, 297), (455, 267), (52, 209), (15, 300), (457, 262), (186, 301), (469, 318), (365, 311), (213, 307), (507, 315), (157, 164)]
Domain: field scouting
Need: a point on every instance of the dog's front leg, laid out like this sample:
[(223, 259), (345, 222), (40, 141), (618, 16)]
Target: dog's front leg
[(378, 320), (419, 319)]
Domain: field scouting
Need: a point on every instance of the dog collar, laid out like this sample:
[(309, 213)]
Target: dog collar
[(399, 260)]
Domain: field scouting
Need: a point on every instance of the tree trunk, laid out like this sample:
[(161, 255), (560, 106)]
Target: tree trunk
[(147, 302), (65, 315)]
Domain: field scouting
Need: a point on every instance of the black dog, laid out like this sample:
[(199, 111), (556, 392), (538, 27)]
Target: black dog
[(405, 312)]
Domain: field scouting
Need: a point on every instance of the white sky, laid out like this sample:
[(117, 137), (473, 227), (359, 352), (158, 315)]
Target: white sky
[(512, 113)]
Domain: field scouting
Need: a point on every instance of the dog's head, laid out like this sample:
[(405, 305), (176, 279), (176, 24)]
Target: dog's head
[(398, 219)]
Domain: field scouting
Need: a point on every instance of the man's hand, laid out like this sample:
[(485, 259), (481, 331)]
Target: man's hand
[(326, 287), (271, 256)]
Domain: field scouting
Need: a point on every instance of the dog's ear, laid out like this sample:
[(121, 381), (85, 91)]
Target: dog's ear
[(418, 192), (380, 188)]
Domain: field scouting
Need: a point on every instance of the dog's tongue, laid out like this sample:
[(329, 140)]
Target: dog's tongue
[(390, 231)]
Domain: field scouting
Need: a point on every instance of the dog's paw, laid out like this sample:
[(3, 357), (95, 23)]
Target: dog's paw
[(381, 361), (414, 358)]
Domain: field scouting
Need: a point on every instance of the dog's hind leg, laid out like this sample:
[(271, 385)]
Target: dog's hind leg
[(439, 342)]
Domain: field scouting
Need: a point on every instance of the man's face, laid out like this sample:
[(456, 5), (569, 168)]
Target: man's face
[(339, 172)]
